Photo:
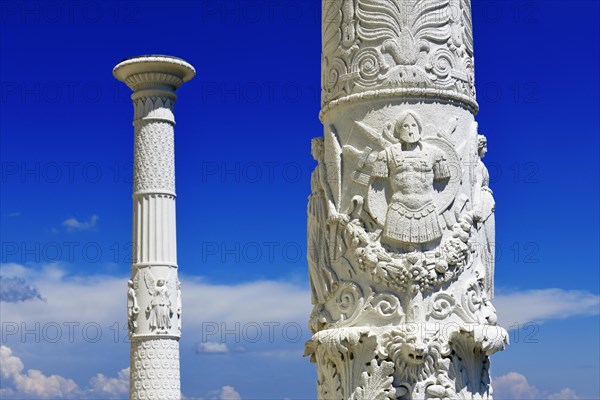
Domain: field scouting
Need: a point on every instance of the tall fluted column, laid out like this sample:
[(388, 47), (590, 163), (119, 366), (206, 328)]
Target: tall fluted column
[(401, 217), (154, 296)]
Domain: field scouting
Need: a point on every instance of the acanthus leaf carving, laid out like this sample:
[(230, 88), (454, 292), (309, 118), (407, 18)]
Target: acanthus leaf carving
[(329, 384), (376, 382)]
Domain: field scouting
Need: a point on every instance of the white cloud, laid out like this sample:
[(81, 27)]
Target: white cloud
[(540, 305), (565, 394), (82, 299), (212, 347), (73, 224), (10, 365), (14, 270), (117, 387), (15, 289), (260, 301), (229, 393), (97, 299), (514, 386), (34, 384)]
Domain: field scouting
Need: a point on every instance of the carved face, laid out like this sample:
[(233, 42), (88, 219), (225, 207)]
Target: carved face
[(483, 151), (408, 129), (160, 282), (481, 145), (414, 350), (414, 354)]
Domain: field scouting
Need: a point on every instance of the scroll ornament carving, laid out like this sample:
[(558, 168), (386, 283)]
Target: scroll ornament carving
[(353, 307), (373, 283), (379, 44), (398, 232), (396, 235)]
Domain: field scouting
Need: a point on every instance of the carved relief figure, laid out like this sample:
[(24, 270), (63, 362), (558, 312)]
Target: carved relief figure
[(483, 214), (411, 166), (132, 308), (321, 212), (415, 352), (178, 309), (348, 26), (160, 308)]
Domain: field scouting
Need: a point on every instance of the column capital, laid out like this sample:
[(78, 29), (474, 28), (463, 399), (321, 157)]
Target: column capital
[(153, 79), (154, 72)]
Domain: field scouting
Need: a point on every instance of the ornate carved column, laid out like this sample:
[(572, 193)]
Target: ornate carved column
[(154, 296), (401, 217)]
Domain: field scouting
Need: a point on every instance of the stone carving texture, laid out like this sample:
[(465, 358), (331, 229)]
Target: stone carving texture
[(406, 46), (154, 165), (160, 308), (155, 369), (401, 216), (154, 295)]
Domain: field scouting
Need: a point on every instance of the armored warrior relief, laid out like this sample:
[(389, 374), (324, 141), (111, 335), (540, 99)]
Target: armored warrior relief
[(401, 244), (412, 166), (401, 216)]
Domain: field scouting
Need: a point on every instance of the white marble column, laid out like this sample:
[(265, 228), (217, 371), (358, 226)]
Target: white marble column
[(401, 216), (154, 296)]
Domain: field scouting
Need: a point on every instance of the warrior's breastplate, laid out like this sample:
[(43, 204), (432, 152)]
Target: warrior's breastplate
[(411, 174)]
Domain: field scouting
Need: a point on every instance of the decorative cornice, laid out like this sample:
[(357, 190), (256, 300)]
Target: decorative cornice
[(407, 95)]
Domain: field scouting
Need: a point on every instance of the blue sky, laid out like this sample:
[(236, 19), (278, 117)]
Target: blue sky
[(243, 166)]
